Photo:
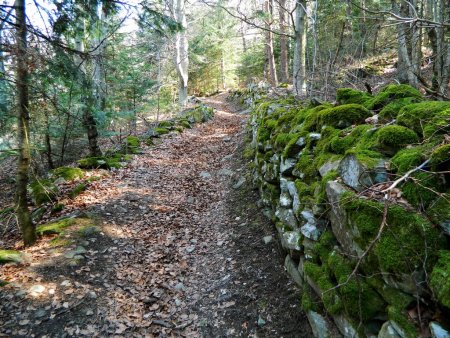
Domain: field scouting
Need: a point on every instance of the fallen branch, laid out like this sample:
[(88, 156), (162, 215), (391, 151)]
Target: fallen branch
[(404, 177)]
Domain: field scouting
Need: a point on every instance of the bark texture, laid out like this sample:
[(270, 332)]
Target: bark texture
[(299, 65), (181, 51)]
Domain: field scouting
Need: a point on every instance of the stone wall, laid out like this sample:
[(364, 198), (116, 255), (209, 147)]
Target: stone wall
[(372, 259)]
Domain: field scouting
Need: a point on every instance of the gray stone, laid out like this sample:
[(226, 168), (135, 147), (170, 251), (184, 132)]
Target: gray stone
[(314, 136), (239, 183), (60, 180), (291, 240), (40, 313), (292, 270), (318, 325), (287, 165), (344, 326), (311, 231), (275, 159), (261, 321), (408, 283), (388, 331), (270, 173), (225, 172), (445, 226), (308, 216), (358, 176), (292, 189), (267, 239), (37, 289), (287, 217), (190, 249), (437, 331), (399, 329), (329, 166), (338, 218), (301, 142), (205, 175), (285, 200)]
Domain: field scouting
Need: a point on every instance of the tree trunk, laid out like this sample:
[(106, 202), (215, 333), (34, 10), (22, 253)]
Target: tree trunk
[(99, 87), (272, 72), (299, 65), (23, 117), (284, 61), (181, 46), (88, 100)]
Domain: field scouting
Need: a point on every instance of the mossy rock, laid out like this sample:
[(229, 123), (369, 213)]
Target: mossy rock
[(392, 296), (401, 248), (321, 278), (58, 207), (79, 188), (60, 241), (407, 159), (100, 162), (185, 124), (132, 145), (439, 124), (43, 191), (344, 116), (439, 212), (161, 130), (68, 173), (361, 137), (401, 320), (396, 136), (440, 279), (55, 227), (166, 124), (11, 256), (349, 95), (88, 230), (391, 110), (310, 117), (390, 93), (417, 116), (422, 189), (440, 158), (360, 301)]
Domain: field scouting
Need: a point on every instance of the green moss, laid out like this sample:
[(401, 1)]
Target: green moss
[(410, 229), (58, 207), (349, 95), (101, 162), (391, 93), (165, 124), (10, 256), (87, 231), (360, 301), (185, 124), (132, 145), (396, 136), (282, 140), (400, 317), (310, 117), (440, 157), (161, 130), (3, 283), (325, 245), (308, 301), (421, 189), (55, 227), (440, 278), (361, 137), (43, 191), (439, 124), (60, 241), (391, 110), (391, 295), (93, 179), (439, 210), (330, 297), (407, 159), (417, 116), (79, 188), (344, 116), (68, 173)]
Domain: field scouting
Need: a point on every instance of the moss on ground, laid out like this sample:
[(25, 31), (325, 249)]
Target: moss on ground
[(407, 159), (349, 95), (440, 278), (343, 116), (401, 318), (392, 110), (68, 173), (417, 116), (10, 256), (43, 191), (391, 93), (101, 162), (396, 137), (55, 227), (79, 188)]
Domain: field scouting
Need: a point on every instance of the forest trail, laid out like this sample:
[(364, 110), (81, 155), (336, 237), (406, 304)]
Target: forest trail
[(181, 252)]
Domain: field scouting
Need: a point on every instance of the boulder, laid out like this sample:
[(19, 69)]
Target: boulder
[(344, 326), (292, 270), (287, 165), (287, 217), (293, 192), (437, 331), (285, 200), (338, 218), (360, 176), (388, 331), (329, 166), (311, 231), (318, 324), (290, 240)]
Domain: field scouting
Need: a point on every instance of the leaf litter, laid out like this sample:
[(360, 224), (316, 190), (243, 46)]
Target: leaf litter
[(179, 254)]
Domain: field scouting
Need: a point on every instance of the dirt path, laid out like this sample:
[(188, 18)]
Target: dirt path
[(180, 253)]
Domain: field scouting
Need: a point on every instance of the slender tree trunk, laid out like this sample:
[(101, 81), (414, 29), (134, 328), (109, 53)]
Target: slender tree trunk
[(181, 47), (284, 61), (299, 65), (99, 88), (88, 101), (3, 83), (23, 163), (272, 72), (48, 143)]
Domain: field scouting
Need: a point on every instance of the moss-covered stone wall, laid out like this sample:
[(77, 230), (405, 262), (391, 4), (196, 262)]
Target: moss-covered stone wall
[(371, 262)]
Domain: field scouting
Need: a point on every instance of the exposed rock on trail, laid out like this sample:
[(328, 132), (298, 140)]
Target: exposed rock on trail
[(180, 252)]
